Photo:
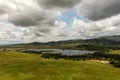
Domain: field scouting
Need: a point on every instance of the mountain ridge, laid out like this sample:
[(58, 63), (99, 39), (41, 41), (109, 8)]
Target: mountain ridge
[(105, 40)]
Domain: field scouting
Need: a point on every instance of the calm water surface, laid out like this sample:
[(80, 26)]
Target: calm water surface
[(63, 52)]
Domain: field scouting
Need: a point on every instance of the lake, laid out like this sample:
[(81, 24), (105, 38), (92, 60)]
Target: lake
[(59, 51)]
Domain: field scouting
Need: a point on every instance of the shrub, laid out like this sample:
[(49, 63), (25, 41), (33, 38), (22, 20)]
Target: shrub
[(115, 63)]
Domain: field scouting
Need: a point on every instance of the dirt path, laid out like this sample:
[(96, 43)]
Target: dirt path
[(104, 62)]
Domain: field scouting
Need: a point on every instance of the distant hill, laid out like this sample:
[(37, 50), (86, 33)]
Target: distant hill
[(101, 40), (107, 40), (113, 38)]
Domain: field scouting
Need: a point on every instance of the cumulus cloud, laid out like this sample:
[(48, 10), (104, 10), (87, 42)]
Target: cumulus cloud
[(41, 12), (33, 18), (94, 29), (99, 9), (9, 33), (37, 20), (32, 15), (6, 6)]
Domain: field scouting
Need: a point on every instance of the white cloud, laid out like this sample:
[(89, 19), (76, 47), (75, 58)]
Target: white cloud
[(98, 9), (37, 20), (97, 28)]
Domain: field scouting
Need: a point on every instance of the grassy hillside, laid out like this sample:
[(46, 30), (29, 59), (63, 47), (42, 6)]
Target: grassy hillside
[(21, 66)]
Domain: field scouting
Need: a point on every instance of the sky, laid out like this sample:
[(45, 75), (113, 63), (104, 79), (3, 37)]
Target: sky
[(24, 21)]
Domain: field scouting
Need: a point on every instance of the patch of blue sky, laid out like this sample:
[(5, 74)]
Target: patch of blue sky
[(17, 29), (4, 20), (14, 28), (69, 16)]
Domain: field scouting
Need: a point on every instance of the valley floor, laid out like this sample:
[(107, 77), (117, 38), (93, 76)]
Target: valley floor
[(22, 66)]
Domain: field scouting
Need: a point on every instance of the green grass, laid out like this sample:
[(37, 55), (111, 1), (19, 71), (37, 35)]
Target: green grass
[(115, 52), (21, 66)]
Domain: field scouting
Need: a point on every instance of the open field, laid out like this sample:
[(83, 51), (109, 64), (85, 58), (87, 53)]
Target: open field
[(115, 52), (22, 66)]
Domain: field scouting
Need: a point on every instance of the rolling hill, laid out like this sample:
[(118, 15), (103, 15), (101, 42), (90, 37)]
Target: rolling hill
[(104, 41)]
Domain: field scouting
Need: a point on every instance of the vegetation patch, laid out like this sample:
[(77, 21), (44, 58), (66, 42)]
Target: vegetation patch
[(22, 66), (115, 52)]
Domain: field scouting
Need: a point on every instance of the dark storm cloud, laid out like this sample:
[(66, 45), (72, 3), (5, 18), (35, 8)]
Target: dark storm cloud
[(58, 3), (33, 18), (99, 9)]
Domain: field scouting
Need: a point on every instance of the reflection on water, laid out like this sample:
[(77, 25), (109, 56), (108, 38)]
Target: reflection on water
[(75, 52), (56, 51)]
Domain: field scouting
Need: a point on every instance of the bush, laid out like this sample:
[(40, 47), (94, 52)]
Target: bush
[(56, 57), (50, 55), (46, 55), (115, 63)]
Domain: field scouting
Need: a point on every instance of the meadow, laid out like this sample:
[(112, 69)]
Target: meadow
[(22, 66), (115, 52)]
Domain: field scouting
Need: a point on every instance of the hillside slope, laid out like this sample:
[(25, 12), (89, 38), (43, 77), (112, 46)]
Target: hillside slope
[(22, 66)]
